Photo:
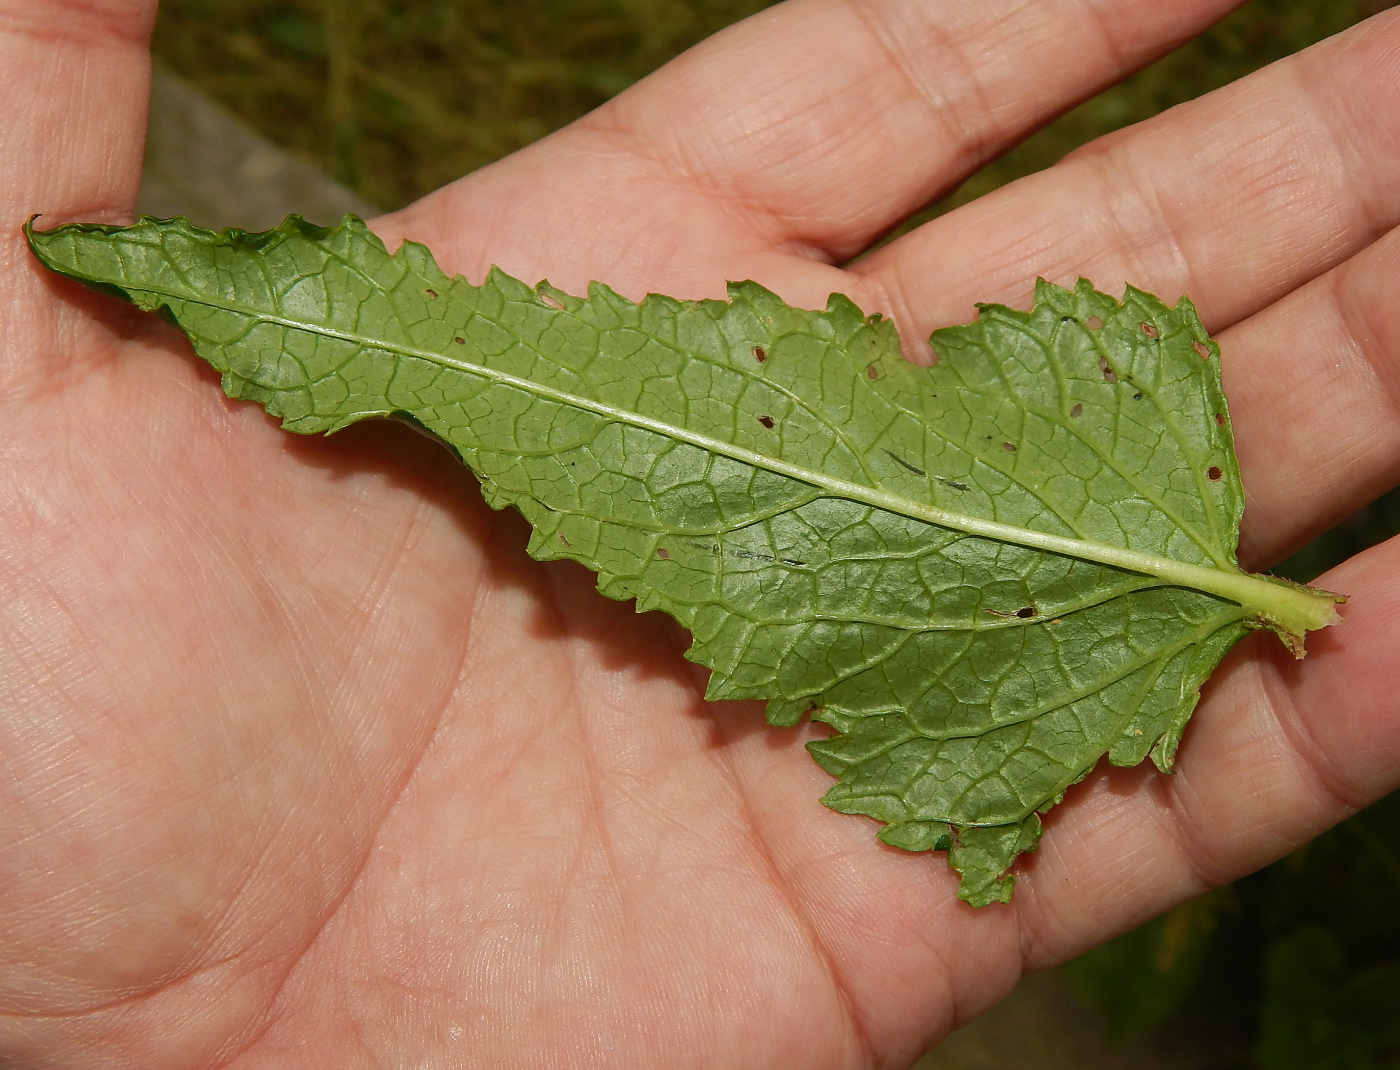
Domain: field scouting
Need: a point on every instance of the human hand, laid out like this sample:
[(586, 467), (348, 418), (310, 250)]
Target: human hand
[(307, 765)]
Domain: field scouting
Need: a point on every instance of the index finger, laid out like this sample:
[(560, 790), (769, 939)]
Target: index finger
[(808, 129), (76, 77), (826, 121)]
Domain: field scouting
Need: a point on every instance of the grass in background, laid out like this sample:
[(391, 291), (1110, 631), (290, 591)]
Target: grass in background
[(1253, 37), (396, 99), (1302, 960)]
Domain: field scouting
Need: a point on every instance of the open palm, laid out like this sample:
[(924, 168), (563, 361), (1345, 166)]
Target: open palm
[(305, 764)]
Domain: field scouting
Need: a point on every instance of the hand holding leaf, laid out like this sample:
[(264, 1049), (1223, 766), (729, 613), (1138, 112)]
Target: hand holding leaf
[(307, 758), (838, 557)]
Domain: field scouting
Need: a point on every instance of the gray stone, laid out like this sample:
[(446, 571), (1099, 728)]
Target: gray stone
[(205, 163)]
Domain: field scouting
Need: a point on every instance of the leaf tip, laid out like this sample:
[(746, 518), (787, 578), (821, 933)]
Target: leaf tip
[(753, 293), (35, 240), (1047, 291), (788, 713), (982, 855), (917, 835), (842, 307)]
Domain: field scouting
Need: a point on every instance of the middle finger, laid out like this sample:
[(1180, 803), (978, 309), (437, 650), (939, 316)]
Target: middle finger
[(1235, 198)]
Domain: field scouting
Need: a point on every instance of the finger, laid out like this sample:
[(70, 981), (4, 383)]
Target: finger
[(809, 128), (1314, 384), (826, 121), (1278, 751), (75, 75), (1235, 198)]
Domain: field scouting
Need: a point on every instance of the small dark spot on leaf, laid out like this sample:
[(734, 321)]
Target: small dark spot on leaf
[(1027, 613), (1202, 350), (460, 340), (759, 354), (563, 538), (663, 553), (551, 301), (1219, 419), (1077, 411), (1149, 329), (1137, 397), (1109, 375), (431, 293), (766, 421), (1009, 447), (1214, 471), (1094, 323), (871, 372)]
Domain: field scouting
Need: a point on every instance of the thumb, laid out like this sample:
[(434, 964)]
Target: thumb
[(75, 78)]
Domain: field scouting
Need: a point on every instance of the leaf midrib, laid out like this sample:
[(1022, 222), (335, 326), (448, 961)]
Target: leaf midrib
[(1234, 586)]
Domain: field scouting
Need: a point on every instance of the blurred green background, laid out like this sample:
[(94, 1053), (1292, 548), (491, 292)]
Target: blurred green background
[(1294, 968)]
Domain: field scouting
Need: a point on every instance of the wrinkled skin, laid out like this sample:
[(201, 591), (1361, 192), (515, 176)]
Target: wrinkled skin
[(306, 765)]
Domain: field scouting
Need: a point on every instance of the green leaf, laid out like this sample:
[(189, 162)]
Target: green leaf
[(984, 575)]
